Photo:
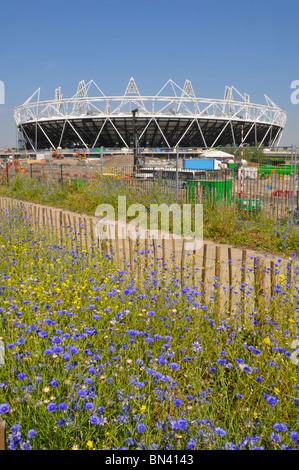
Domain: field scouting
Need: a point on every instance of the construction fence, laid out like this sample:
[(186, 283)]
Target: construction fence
[(253, 188)]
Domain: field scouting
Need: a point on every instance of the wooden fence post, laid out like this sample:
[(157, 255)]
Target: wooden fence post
[(146, 250), (124, 252), (243, 273), (2, 435), (204, 267), (130, 254), (272, 273), (173, 251), (116, 243), (183, 260), (91, 234), (259, 281), (217, 274), (155, 252), (193, 265), (163, 253)]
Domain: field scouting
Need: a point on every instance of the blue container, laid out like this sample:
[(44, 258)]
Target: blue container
[(199, 164)]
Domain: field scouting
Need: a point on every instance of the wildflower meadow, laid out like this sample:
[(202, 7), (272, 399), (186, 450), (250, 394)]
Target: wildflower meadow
[(99, 357)]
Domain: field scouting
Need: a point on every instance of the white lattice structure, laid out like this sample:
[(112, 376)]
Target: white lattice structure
[(174, 117)]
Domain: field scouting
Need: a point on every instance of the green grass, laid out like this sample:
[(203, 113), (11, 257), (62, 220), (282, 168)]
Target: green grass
[(223, 223)]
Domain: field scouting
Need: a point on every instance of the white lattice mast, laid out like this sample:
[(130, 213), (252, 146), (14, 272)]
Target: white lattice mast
[(58, 98), (188, 89), (81, 93), (132, 88)]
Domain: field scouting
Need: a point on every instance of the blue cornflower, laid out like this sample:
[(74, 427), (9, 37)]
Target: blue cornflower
[(4, 408), (191, 444), (31, 433), (89, 406), (271, 400), (141, 427), (94, 419), (51, 407), (56, 340), (21, 375), (54, 383), (280, 427), (219, 431), (47, 352), (43, 334), (182, 423), (57, 349), (295, 437), (275, 437), (177, 402)]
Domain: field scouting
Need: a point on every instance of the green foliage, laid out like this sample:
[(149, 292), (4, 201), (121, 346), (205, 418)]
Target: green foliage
[(223, 222)]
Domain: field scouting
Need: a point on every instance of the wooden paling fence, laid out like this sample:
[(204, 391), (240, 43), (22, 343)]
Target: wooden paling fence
[(225, 275)]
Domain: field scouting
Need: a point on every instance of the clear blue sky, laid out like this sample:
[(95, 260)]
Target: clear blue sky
[(253, 45)]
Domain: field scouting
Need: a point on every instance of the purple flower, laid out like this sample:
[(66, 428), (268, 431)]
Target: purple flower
[(56, 340), (4, 408), (31, 433), (191, 444), (141, 427), (271, 400), (51, 407), (42, 334), (54, 383), (89, 406), (280, 427), (219, 431), (57, 349), (94, 419), (295, 437), (182, 423), (174, 365), (177, 402)]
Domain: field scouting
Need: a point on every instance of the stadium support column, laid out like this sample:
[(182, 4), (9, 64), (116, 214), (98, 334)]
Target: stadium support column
[(177, 170), (135, 140), (242, 155)]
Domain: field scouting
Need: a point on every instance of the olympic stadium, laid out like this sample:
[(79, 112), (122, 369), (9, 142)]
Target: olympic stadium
[(174, 117)]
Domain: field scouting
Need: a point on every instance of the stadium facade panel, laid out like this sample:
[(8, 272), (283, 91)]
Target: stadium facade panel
[(174, 117)]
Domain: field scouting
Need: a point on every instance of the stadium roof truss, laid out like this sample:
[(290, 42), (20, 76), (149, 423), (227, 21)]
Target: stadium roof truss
[(174, 117)]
